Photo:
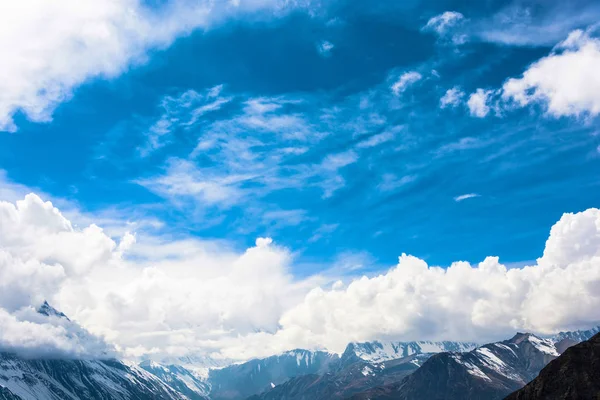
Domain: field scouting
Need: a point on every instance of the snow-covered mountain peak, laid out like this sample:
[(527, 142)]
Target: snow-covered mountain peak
[(380, 351), (49, 311), (544, 345), (576, 336)]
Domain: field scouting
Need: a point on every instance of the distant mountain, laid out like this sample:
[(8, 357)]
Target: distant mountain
[(376, 352), (488, 372), (49, 311), (342, 383), (575, 375), (255, 376), (577, 336), (182, 380), (564, 340), (371, 370), (361, 366)]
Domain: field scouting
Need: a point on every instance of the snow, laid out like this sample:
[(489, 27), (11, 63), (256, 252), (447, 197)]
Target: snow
[(36, 379), (503, 346), (302, 357), (378, 352), (491, 359), (471, 368), (366, 371), (272, 385), (430, 347), (543, 345)]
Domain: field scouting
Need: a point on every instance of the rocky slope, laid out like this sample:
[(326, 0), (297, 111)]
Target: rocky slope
[(377, 352), (27, 379), (361, 366), (180, 379), (575, 375), (344, 382), (256, 376), (488, 372)]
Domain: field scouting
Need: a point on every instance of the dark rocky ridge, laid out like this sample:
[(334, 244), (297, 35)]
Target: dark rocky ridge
[(575, 375)]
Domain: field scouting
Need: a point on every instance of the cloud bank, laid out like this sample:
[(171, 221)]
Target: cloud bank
[(463, 302), (171, 297)]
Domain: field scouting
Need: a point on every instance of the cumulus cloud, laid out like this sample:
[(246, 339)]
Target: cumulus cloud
[(478, 103), (406, 79), (565, 83), (32, 334), (176, 296), (51, 47), (165, 297), (451, 98), (467, 302)]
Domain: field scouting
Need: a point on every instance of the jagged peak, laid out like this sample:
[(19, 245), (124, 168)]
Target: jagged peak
[(519, 337), (544, 345), (49, 311)]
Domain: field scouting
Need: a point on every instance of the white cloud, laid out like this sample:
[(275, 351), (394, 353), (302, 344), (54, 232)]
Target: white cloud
[(445, 24), (467, 302), (566, 82), (252, 154), (519, 24), (452, 98), (376, 140), (34, 335), (441, 23), (465, 197), (406, 79), (391, 182), (323, 231), (173, 295), (167, 297), (180, 112), (325, 47), (478, 103), (182, 179), (465, 143), (51, 47)]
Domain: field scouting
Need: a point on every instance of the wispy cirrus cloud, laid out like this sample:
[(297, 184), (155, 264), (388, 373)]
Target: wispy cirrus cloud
[(181, 112), (525, 24), (404, 81), (466, 196), (257, 151), (446, 25)]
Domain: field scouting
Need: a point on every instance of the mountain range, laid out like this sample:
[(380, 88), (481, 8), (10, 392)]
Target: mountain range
[(368, 370), (573, 375)]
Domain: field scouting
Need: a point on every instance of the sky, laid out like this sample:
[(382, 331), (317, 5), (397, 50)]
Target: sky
[(238, 178)]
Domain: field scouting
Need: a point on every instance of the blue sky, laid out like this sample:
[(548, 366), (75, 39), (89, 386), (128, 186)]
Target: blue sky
[(298, 126)]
